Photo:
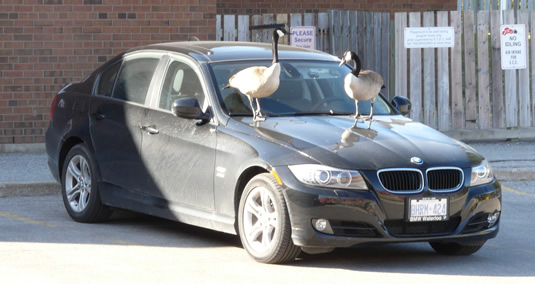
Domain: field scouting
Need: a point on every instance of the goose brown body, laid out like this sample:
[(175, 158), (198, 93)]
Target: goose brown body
[(364, 87), (361, 85)]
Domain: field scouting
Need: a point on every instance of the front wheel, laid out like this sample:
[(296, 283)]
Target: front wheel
[(456, 248), (263, 222), (80, 189)]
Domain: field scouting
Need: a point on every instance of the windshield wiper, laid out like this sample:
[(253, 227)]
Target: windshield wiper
[(266, 114), (293, 114), (240, 114), (321, 113)]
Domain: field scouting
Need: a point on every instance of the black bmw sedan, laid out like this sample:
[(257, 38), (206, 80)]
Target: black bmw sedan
[(154, 131)]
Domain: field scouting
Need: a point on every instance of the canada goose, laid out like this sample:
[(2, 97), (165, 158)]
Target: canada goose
[(361, 85), (259, 81)]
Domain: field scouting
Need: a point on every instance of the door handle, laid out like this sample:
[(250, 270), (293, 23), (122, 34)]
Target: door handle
[(98, 115), (150, 129)]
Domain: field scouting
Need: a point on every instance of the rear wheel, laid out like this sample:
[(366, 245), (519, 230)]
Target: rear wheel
[(80, 189), (263, 221), (456, 248)]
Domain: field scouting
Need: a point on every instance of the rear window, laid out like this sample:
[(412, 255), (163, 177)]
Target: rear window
[(107, 79)]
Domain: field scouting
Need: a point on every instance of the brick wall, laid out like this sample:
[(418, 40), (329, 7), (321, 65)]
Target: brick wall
[(242, 7), (47, 43)]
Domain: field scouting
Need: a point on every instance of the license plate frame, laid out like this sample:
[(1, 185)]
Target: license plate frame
[(428, 209)]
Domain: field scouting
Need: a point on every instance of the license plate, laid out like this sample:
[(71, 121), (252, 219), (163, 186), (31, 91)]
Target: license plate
[(428, 209)]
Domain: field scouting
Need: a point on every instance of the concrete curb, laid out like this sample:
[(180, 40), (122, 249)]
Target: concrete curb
[(514, 174), (492, 135), (29, 189), (23, 148)]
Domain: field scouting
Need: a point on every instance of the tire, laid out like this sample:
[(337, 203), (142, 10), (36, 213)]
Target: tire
[(456, 248), (79, 187), (264, 223)]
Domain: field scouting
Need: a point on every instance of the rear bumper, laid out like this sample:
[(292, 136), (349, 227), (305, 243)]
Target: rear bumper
[(52, 144), (376, 216)]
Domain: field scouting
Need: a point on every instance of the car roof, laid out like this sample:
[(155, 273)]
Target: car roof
[(217, 51)]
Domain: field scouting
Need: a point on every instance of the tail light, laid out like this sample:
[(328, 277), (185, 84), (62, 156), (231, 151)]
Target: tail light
[(53, 106)]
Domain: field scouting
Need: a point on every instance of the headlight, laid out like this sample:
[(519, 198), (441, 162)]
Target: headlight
[(324, 176), (481, 174)]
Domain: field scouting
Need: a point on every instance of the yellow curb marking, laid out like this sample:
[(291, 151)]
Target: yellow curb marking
[(27, 220), (517, 191), (36, 222)]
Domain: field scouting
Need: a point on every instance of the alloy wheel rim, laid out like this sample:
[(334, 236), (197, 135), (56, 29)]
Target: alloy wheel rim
[(260, 219), (78, 183)]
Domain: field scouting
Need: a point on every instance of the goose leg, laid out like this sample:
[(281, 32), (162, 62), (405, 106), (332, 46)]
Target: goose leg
[(370, 124), (259, 116), (370, 116), (371, 109), (357, 114), (252, 108)]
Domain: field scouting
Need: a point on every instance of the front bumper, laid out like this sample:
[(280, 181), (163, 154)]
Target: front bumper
[(377, 216)]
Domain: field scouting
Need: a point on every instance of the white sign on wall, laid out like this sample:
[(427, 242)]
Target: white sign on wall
[(429, 37), (513, 46), (303, 36)]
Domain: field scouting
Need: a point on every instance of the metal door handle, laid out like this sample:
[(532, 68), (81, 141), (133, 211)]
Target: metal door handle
[(150, 129)]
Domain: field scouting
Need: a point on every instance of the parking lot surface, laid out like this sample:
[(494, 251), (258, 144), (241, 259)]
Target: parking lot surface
[(39, 242)]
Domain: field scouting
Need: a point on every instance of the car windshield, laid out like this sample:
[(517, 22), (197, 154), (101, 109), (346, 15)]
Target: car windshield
[(306, 88)]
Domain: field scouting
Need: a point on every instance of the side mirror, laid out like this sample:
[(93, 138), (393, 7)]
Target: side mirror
[(402, 104), (189, 108)]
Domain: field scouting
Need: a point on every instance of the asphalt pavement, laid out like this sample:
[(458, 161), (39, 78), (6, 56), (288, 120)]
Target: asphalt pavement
[(26, 173)]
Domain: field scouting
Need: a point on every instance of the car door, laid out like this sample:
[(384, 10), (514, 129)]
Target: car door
[(116, 113), (178, 153)]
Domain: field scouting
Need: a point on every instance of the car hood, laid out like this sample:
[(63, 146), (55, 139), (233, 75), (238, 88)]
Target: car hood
[(390, 142)]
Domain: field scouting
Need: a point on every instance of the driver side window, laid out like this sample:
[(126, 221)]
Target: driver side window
[(180, 81)]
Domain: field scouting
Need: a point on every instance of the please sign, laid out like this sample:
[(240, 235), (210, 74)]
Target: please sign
[(303, 36)]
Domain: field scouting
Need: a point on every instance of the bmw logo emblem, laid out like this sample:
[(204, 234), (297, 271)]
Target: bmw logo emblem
[(416, 161)]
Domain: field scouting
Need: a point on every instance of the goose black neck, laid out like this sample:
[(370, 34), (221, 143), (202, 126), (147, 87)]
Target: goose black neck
[(275, 46), (357, 65)]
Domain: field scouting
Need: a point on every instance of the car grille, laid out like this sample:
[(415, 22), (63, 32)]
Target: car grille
[(411, 180), (401, 180), (444, 179), (352, 229), (403, 228)]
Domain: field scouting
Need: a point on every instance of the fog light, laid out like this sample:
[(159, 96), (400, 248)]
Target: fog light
[(323, 226), (493, 218)]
